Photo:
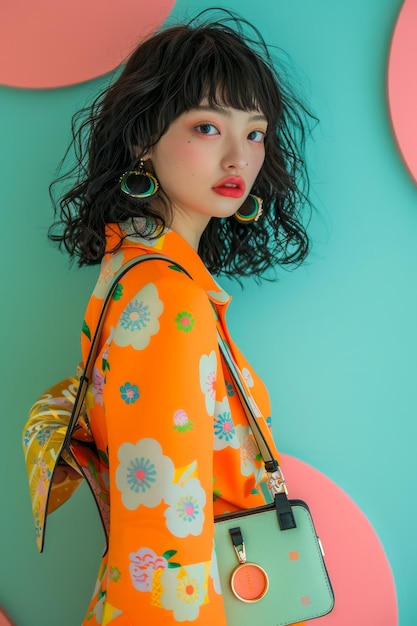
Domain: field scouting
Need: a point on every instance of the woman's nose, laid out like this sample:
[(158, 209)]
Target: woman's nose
[(235, 157)]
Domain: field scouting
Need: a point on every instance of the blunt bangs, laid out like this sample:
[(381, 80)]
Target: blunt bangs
[(210, 64)]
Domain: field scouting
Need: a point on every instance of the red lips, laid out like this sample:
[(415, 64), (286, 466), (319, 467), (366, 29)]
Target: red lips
[(232, 186)]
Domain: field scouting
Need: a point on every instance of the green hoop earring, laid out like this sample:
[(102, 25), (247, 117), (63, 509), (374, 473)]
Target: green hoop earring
[(139, 184), (250, 211)]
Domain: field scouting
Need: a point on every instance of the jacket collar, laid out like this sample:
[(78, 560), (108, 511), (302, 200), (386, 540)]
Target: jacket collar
[(170, 244)]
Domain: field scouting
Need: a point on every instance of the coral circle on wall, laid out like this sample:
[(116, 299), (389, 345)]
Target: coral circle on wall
[(358, 567), (402, 85), (46, 44)]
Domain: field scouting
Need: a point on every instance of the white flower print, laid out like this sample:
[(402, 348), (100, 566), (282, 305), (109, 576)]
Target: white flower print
[(185, 514), (208, 373), (224, 428), (143, 563), (103, 610), (214, 572), (98, 609), (139, 320), (144, 475), (108, 268), (219, 296), (185, 590), (248, 453), (248, 377)]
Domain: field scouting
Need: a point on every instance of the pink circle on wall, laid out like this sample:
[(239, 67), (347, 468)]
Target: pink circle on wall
[(402, 84), (358, 568), (45, 43)]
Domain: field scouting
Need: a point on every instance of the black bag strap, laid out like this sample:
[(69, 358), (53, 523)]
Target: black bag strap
[(91, 357), (276, 478)]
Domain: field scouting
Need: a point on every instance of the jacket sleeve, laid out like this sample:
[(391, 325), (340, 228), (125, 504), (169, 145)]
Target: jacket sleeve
[(43, 437), (158, 397)]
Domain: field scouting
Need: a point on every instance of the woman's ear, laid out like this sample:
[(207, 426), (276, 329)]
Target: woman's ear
[(145, 156)]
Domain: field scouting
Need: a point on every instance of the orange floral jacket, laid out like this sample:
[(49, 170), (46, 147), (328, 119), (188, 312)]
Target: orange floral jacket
[(166, 441)]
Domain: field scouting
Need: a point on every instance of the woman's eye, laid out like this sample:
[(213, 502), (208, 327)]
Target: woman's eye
[(257, 136), (207, 129)]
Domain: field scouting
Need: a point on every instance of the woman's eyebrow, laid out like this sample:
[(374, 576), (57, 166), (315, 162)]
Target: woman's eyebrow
[(256, 117)]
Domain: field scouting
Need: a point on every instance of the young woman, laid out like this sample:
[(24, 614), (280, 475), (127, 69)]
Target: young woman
[(191, 154)]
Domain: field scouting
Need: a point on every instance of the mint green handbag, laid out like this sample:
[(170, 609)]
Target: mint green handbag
[(270, 559)]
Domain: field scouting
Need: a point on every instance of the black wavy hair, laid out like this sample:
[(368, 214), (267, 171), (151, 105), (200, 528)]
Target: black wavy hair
[(227, 63)]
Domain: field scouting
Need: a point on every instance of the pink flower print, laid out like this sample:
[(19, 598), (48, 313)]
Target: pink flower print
[(109, 266), (211, 384), (44, 472), (248, 451), (97, 386), (188, 508), (224, 427), (44, 476), (144, 473), (185, 513), (115, 574), (143, 563), (129, 393), (184, 321), (41, 488), (181, 421), (61, 402), (208, 371), (248, 377)]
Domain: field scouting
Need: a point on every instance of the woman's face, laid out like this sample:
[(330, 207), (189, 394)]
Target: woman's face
[(206, 164)]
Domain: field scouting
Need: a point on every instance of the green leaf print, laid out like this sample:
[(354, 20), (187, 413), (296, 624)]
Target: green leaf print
[(105, 365), (92, 469), (216, 494), (169, 553), (118, 292), (104, 457), (86, 330), (173, 565), (115, 574)]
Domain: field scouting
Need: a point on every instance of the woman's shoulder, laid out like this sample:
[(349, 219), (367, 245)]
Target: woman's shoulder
[(161, 270), (156, 297), (161, 277)]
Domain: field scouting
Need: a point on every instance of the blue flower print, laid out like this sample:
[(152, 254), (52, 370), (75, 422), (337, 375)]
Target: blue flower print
[(141, 474), (188, 508), (129, 393), (45, 434), (185, 512), (38, 525), (144, 474), (229, 389), (135, 316), (26, 438), (223, 426), (139, 321)]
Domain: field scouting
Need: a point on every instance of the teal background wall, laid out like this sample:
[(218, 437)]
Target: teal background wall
[(336, 340)]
